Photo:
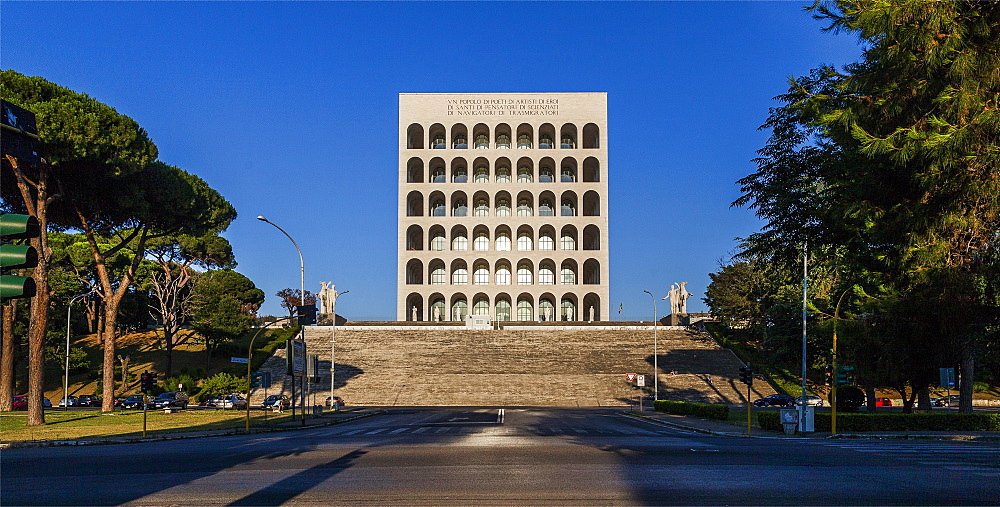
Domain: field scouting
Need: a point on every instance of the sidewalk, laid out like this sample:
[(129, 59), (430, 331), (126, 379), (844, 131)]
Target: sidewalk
[(328, 418), (726, 429)]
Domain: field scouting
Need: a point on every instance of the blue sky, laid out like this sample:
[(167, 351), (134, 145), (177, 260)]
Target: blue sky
[(289, 109)]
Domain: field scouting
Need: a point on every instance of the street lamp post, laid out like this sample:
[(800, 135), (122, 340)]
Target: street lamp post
[(656, 354), (333, 347), (302, 301), (69, 310)]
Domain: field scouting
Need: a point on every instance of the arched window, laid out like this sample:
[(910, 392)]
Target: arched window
[(482, 208), (544, 208), (438, 142), (482, 241), (437, 310), (437, 175), (523, 208), (568, 175), (482, 174), (567, 275), (546, 309), (523, 274), (524, 174), (461, 209), (524, 241), (503, 174), (503, 274), (545, 142), (503, 141), (460, 276), (438, 275), (545, 275), (567, 242), (545, 174), (438, 209), (438, 242), (567, 142), (503, 310), (546, 242), (568, 309), (482, 141), (459, 310), (460, 142), (524, 141), (567, 209), (460, 175), (503, 207), (503, 242), (481, 276), (524, 310), (482, 307), (461, 242)]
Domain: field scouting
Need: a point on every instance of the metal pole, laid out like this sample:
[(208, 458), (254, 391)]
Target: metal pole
[(805, 284), (69, 309), (302, 301), (656, 354)]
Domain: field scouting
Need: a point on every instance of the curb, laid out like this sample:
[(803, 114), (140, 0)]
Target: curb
[(183, 436), (686, 427)]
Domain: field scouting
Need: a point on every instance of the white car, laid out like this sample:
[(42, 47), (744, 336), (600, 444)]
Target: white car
[(71, 399), (810, 400), (231, 401)]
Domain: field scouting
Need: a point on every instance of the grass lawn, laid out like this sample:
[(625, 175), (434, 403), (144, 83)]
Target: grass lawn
[(77, 424)]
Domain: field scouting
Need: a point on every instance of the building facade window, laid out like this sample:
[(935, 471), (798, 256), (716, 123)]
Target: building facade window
[(523, 274), (437, 175), (568, 275), (460, 276), (503, 174), (460, 142), (503, 275), (459, 310), (545, 142), (545, 175), (524, 242), (438, 209), (460, 175), (482, 242), (437, 310), (503, 208), (481, 276), (545, 242), (567, 142), (461, 209), (524, 141), (503, 310), (567, 209), (438, 242), (567, 242), (524, 310), (545, 208), (568, 175), (546, 309), (438, 276), (503, 242), (524, 174), (481, 307), (568, 309), (460, 242), (503, 141), (545, 275), (523, 208), (482, 174), (482, 208), (438, 142), (482, 141)]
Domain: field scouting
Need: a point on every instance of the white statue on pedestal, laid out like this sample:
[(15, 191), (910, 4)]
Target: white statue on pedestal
[(325, 297)]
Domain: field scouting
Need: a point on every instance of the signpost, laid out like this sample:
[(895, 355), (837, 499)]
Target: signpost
[(947, 381)]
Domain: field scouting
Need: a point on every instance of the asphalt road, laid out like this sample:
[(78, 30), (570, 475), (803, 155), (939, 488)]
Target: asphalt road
[(511, 456)]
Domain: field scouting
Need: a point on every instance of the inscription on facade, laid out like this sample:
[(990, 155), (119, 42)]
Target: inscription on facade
[(503, 107)]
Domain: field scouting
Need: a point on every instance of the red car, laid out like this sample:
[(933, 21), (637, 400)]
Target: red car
[(20, 403), (883, 402)]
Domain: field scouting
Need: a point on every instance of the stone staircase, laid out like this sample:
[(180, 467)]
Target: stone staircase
[(395, 364)]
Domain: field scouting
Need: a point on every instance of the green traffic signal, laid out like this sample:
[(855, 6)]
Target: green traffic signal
[(13, 287), (255, 380), (15, 226)]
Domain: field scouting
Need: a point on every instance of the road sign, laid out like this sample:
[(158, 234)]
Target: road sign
[(947, 377), (630, 377), (241, 360), (640, 380)]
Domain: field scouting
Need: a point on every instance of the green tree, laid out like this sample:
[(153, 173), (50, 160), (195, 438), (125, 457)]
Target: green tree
[(224, 305)]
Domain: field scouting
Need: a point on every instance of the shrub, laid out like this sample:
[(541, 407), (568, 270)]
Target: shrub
[(708, 410), (219, 384), (980, 387)]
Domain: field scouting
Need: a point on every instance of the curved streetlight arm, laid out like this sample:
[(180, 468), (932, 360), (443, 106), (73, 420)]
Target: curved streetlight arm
[(302, 265)]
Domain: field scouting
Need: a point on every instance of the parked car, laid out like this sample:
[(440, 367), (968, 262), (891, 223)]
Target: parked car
[(119, 400), (274, 400), (46, 403), (211, 402), (336, 399), (19, 403), (232, 400), (883, 402), (952, 401), (937, 402), (810, 400), (132, 401), (172, 399), (775, 400), (88, 400), (70, 401)]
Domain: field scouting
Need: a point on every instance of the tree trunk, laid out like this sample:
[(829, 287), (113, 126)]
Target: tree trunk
[(870, 397), (924, 399), (968, 377), (7, 355), (108, 374)]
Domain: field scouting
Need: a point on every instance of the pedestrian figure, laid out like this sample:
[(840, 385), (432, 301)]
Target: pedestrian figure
[(709, 378)]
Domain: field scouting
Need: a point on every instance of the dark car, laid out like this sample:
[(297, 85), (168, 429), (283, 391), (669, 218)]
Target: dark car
[(170, 399), (133, 401), (775, 400), (274, 401), (335, 399), (88, 400)]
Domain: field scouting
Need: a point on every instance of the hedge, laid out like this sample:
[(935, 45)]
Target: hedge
[(708, 410), (894, 422)]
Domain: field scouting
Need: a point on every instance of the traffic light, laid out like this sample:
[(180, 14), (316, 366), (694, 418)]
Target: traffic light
[(256, 379), (307, 314), (14, 226), (746, 375), (844, 374), (147, 381)]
